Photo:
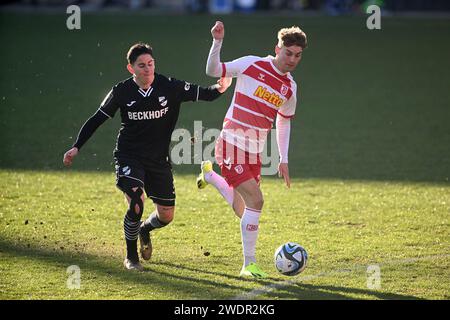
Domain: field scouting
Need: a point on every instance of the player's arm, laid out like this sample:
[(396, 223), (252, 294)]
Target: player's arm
[(86, 131), (108, 105), (214, 67), (213, 92), (192, 92), (283, 125)]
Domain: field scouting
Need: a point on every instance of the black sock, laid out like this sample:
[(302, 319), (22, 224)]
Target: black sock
[(132, 253), (131, 230)]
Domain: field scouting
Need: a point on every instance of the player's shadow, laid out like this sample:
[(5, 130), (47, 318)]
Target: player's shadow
[(204, 271), (303, 291), (195, 287)]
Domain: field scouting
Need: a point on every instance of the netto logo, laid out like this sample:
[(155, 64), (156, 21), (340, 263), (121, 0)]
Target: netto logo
[(271, 98)]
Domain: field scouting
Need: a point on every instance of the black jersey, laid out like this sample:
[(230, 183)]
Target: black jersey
[(148, 117)]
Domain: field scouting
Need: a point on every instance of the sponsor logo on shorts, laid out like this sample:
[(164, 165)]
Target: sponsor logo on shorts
[(126, 170)]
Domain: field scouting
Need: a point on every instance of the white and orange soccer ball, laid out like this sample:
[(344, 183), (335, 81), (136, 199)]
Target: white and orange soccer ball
[(290, 259)]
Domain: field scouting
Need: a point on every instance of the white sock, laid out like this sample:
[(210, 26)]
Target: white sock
[(249, 234), (221, 185)]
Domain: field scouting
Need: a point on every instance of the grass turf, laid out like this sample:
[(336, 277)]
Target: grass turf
[(65, 220)]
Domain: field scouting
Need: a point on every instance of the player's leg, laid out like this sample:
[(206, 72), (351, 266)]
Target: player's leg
[(135, 198), (249, 190), (238, 204), (252, 197), (160, 188), (231, 196), (161, 217), (130, 181), (209, 176)]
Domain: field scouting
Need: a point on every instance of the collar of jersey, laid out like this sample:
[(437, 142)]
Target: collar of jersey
[(274, 67), (144, 93)]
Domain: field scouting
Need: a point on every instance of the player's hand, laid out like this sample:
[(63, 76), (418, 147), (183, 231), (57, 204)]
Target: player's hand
[(69, 155), (283, 171), (218, 31), (224, 83)]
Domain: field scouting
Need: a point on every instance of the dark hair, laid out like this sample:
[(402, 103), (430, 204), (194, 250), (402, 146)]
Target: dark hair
[(136, 50)]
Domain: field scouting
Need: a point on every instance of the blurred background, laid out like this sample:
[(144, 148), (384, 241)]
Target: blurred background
[(372, 104), (331, 7)]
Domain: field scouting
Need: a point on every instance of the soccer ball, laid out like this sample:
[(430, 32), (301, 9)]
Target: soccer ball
[(290, 259)]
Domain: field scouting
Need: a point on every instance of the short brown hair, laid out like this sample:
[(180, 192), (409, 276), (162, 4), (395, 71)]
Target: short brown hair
[(292, 36), (136, 50)]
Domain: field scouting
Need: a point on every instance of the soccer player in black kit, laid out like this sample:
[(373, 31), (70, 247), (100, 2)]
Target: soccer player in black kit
[(149, 105)]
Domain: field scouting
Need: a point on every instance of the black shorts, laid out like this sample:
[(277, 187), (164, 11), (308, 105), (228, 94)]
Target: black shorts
[(155, 177)]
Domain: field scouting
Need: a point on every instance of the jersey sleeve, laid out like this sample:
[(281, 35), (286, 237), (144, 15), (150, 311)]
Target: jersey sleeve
[(283, 132), (89, 127), (185, 91), (236, 67), (110, 105), (287, 110)]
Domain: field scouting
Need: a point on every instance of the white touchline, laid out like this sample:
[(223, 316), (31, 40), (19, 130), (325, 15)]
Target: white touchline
[(276, 286)]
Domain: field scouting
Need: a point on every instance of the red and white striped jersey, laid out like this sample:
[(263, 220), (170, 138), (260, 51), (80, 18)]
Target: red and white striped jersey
[(261, 93)]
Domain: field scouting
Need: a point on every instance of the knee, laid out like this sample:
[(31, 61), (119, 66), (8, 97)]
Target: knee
[(136, 203), (257, 202), (165, 213)]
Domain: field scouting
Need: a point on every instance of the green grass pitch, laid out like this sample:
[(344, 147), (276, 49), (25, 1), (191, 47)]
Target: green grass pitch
[(369, 159)]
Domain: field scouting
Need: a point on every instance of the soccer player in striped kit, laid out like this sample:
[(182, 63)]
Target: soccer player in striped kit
[(265, 93)]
